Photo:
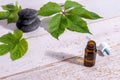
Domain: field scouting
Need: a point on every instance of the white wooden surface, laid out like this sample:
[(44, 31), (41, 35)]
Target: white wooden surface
[(50, 59)]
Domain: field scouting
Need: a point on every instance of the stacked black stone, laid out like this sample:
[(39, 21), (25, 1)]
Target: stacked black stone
[(28, 20)]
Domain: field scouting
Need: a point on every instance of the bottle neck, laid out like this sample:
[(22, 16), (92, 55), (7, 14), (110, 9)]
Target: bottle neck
[(91, 45)]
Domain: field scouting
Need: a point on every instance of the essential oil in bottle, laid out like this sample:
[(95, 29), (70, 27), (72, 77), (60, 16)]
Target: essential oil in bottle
[(90, 54)]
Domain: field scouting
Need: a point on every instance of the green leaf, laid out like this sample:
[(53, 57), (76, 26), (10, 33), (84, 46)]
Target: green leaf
[(69, 4), (18, 7), (75, 23), (7, 38), (13, 17), (4, 49), (9, 7), (82, 12), (13, 43), (10, 13), (19, 50), (57, 25), (18, 34), (49, 9), (4, 15), (16, 4)]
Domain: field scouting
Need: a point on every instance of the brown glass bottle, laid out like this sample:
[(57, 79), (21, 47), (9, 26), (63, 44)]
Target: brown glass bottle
[(90, 54)]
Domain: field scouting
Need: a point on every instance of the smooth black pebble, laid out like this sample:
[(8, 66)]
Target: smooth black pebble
[(26, 21), (28, 28), (27, 13)]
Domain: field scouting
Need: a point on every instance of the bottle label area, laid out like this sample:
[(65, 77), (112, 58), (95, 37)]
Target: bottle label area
[(90, 56)]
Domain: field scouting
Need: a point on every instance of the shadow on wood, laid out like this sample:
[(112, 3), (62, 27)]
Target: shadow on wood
[(11, 26), (66, 57), (45, 22)]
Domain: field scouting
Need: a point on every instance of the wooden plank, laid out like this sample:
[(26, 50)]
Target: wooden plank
[(109, 32), (106, 68), (42, 47)]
